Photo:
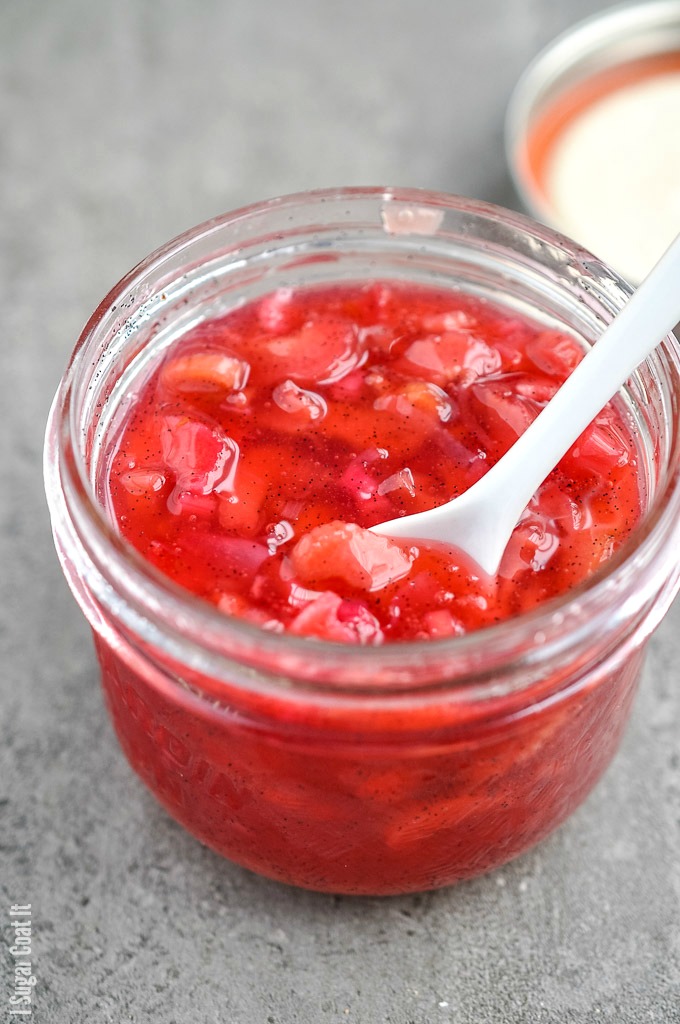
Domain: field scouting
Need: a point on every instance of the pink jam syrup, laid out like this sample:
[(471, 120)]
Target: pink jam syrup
[(269, 440)]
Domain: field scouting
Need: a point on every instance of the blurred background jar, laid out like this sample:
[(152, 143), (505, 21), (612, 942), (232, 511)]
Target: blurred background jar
[(593, 134)]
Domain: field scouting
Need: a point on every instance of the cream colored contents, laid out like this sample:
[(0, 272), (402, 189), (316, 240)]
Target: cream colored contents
[(613, 180)]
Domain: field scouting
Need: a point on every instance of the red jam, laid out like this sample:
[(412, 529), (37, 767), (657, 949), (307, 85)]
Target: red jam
[(268, 440), (257, 455)]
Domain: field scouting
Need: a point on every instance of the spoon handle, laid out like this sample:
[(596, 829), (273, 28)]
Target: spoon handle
[(648, 316), (480, 521)]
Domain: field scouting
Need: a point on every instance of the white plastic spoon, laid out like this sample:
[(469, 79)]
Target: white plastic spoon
[(480, 521)]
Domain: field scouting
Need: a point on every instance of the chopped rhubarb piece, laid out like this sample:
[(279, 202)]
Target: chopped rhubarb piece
[(348, 388), (452, 320), (142, 481), (225, 556), (190, 503), (447, 357), (233, 604), (502, 411), (601, 447), (540, 389), (240, 607), (242, 509), (417, 396), (329, 617), (379, 340), (322, 351), (361, 481), (558, 505), (277, 312), (202, 459), (295, 400), (441, 623), (532, 545), (428, 398), (554, 353), (345, 551), (403, 480), (205, 371), (355, 616)]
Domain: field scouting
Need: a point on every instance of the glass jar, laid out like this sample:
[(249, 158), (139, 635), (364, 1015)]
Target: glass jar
[(360, 770)]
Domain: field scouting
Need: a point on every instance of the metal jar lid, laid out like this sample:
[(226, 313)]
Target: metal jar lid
[(590, 51)]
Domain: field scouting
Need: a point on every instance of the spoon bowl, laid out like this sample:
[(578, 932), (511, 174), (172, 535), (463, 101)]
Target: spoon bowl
[(480, 521)]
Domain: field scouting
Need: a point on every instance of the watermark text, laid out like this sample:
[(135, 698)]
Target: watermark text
[(21, 951)]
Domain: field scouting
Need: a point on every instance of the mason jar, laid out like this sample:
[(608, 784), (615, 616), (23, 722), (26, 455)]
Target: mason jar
[(344, 769)]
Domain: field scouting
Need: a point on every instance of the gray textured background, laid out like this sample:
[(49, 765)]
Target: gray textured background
[(120, 126)]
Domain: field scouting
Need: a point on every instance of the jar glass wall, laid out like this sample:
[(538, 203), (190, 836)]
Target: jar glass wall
[(359, 770)]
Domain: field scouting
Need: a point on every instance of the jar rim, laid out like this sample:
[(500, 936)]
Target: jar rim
[(79, 520)]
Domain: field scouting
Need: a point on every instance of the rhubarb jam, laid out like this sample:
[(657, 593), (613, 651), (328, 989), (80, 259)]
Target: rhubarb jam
[(259, 451), (318, 703), (267, 441)]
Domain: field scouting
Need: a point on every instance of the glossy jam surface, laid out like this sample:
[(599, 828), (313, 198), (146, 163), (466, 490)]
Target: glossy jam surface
[(267, 441)]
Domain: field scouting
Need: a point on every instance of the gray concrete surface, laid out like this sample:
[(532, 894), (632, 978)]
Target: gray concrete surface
[(121, 125)]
